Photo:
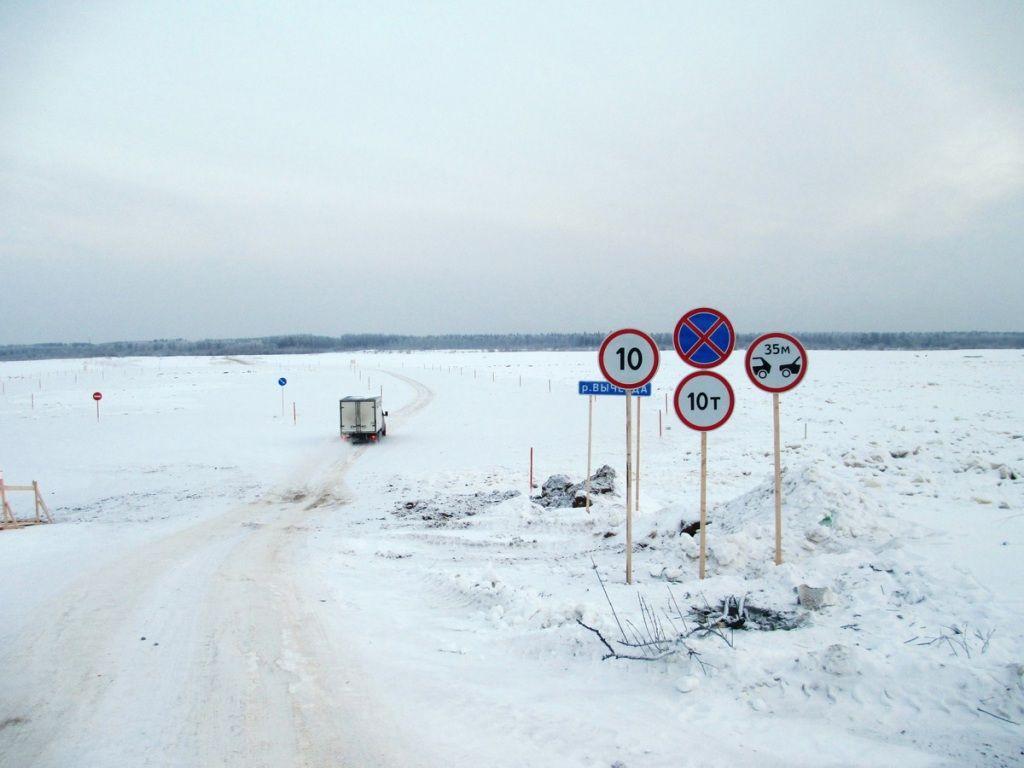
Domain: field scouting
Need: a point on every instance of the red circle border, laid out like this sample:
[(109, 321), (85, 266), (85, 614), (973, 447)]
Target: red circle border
[(750, 353), (728, 324), (604, 345)]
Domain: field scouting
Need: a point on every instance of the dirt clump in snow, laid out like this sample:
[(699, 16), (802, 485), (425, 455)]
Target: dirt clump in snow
[(561, 491), (735, 613)]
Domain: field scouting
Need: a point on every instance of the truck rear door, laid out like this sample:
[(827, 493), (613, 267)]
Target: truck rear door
[(367, 416), (349, 416)]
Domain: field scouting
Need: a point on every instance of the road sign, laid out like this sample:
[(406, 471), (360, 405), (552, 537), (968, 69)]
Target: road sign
[(628, 358), (282, 381), (97, 396), (776, 362), (704, 401), (704, 337), (604, 388)]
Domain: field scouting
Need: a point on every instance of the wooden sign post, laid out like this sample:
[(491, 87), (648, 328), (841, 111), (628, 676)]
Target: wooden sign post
[(704, 401), (703, 501), (590, 445), (628, 358), (629, 488), (778, 479), (776, 362), (636, 506)]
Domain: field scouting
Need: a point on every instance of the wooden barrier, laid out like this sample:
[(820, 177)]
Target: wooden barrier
[(7, 517)]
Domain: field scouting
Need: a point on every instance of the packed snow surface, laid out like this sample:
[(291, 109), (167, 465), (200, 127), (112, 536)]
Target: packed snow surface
[(224, 586)]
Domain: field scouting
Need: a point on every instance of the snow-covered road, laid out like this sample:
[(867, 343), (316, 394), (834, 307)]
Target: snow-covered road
[(201, 647)]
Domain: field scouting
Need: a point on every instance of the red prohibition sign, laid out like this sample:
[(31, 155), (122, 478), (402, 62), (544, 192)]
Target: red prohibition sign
[(762, 378), (726, 390), (97, 396), (703, 339), (651, 370)]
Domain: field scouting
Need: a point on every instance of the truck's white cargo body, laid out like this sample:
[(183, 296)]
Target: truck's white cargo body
[(362, 417)]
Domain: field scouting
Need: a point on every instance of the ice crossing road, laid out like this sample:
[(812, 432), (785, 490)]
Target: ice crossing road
[(203, 648)]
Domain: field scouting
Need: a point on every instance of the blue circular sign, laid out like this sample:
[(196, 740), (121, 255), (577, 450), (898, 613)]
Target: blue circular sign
[(704, 337), (282, 381)]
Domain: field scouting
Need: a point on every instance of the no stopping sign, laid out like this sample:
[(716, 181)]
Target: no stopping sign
[(704, 401), (628, 358)]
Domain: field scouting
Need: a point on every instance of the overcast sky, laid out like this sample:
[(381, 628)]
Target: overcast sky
[(208, 170)]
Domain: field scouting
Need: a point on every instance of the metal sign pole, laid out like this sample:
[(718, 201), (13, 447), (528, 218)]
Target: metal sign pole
[(629, 487)]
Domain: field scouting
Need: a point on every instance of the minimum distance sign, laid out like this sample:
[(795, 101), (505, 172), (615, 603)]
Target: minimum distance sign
[(628, 358), (776, 362), (704, 401), (704, 337)]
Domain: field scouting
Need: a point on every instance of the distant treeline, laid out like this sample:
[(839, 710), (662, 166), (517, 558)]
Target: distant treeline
[(300, 344)]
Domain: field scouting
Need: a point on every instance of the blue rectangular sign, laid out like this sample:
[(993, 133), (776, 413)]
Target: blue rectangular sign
[(604, 388)]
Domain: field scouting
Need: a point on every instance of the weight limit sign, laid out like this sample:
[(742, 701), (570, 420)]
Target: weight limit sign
[(704, 401)]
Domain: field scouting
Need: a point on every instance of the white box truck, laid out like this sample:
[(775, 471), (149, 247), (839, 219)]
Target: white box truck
[(362, 418)]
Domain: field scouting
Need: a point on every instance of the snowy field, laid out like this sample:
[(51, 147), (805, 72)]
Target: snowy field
[(223, 587)]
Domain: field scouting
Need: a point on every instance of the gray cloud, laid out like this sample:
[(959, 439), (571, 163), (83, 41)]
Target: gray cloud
[(174, 170)]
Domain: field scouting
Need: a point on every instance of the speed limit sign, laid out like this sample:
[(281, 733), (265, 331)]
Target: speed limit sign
[(628, 358), (704, 401)]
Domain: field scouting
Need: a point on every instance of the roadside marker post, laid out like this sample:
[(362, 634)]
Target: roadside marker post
[(704, 400), (97, 396), (532, 486), (629, 358), (776, 363), (281, 383)]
